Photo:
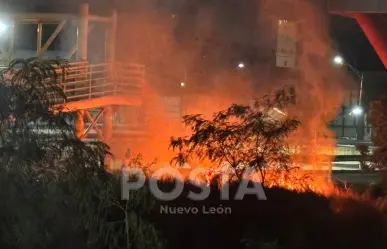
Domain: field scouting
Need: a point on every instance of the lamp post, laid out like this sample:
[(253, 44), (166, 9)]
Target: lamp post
[(183, 85), (358, 110)]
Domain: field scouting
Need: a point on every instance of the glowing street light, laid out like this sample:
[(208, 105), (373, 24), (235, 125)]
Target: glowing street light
[(357, 110), (241, 65), (182, 84), (3, 27), (338, 60)]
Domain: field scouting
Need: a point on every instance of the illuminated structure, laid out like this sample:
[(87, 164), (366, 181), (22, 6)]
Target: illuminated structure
[(371, 17), (92, 89), (96, 88)]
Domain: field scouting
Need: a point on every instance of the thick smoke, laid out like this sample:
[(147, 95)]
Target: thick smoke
[(201, 45), (319, 86), (190, 44)]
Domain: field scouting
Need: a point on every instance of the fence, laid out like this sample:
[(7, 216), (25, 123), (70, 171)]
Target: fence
[(83, 81)]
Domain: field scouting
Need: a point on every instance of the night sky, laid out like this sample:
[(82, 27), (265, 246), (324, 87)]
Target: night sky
[(347, 37), (351, 42)]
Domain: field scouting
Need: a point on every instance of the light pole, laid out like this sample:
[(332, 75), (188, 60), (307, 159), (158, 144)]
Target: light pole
[(182, 84), (182, 93), (358, 110)]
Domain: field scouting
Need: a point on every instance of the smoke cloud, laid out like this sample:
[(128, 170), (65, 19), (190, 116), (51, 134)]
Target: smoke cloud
[(201, 45)]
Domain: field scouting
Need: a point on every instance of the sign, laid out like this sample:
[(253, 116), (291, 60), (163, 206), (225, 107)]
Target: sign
[(286, 44)]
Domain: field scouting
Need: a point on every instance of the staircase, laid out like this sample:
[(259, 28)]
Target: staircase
[(97, 85), (95, 91)]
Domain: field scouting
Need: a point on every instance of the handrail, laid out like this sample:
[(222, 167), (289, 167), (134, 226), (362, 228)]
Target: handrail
[(84, 81)]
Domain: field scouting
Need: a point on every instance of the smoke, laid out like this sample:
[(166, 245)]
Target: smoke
[(188, 44), (318, 86), (201, 45)]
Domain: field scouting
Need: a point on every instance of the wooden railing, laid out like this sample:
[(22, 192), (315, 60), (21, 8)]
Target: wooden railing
[(83, 81)]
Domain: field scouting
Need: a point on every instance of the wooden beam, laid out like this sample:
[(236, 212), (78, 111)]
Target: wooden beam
[(111, 37), (93, 124), (94, 18), (39, 39), (35, 18), (11, 37), (83, 32), (52, 37), (75, 47)]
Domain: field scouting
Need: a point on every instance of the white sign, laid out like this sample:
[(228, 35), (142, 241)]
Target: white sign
[(286, 44)]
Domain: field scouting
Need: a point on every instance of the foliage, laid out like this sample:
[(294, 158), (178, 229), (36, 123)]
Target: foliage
[(55, 193), (253, 244), (365, 153), (287, 219), (50, 180), (110, 221), (250, 136), (378, 120), (28, 154)]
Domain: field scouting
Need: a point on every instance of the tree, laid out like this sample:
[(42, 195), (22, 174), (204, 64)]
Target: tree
[(364, 151), (378, 120), (249, 136), (54, 189)]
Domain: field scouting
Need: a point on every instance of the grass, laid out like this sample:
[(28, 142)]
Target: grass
[(290, 219)]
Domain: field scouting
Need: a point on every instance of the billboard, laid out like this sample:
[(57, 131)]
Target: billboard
[(286, 44)]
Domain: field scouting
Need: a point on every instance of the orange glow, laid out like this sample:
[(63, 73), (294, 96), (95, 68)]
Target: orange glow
[(150, 41), (99, 102)]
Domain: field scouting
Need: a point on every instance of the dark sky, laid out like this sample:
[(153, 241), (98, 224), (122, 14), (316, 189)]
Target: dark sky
[(354, 45), (348, 38)]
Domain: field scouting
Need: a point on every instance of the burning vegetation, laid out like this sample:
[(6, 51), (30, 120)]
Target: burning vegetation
[(198, 48)]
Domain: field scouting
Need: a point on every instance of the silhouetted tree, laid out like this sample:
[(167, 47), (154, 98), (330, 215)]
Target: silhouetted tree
[(54, 190), (378, 120), (251, 137), (364, 151)]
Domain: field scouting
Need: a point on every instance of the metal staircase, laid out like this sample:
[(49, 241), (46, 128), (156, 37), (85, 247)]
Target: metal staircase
[(95, 92), (86, 82)]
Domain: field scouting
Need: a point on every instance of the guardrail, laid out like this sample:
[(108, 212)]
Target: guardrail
[(83, 81)]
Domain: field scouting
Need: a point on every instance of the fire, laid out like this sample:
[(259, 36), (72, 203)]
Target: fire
[(151, 41)]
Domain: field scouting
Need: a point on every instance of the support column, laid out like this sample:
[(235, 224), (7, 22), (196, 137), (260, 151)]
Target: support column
[(79, 126), (39, 39), (107, 123), (83, 32), (111, 38), (110, 47), (11, 44)]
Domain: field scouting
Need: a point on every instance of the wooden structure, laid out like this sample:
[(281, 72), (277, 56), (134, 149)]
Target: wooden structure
[(93, 90)]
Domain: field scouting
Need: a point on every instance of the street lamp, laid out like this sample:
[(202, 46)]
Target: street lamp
[(3, 26), (339, 60), (357, 110), (241, 65)]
